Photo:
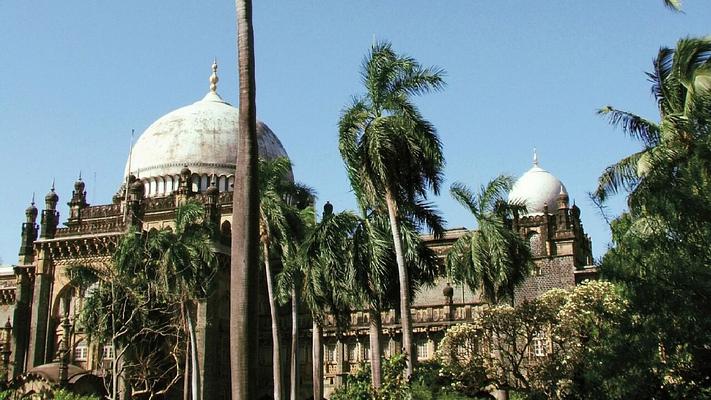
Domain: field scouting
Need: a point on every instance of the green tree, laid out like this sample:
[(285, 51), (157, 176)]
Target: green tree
[(681, 79), (392, 154), (325, 290), (277, 236), (493, 259), (129, 309), (372, 261), (660, 252), (245, 220), (186, 265), (299, 217)]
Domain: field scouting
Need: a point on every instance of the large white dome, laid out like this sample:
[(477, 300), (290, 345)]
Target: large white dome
[(537, 188), (202, 136)]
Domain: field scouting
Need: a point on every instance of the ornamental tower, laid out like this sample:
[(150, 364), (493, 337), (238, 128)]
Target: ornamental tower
[(561, 250)]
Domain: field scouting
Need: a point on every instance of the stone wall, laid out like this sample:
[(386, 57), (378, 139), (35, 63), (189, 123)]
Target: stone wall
[(548, 273)]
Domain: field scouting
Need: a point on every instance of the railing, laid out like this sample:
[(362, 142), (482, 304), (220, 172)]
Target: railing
[(420, 314)]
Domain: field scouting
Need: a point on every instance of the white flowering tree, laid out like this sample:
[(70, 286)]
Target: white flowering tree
[(537, 347)]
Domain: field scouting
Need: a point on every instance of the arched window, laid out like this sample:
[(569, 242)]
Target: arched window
[(226, 229), (161, 186), (168, 185), (222, 184), (204, 183)]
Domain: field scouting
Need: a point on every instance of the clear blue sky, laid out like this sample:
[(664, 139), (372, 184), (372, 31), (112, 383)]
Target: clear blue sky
[(77, 76)]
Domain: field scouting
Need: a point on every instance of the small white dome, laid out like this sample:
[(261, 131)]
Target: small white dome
[(537, 187), (202, 136)]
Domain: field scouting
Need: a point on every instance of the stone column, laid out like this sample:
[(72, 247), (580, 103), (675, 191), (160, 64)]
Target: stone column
[(21, 324), (40, 308)]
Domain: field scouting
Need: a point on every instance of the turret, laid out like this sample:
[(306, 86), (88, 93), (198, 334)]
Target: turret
[(29, 234), (327, 209), (185, 187), (212, 205), (135, 202), (77, 203), (563, 217), (50, 216)]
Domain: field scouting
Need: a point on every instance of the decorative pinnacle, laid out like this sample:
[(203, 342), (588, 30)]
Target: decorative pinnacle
[(535, 157), (33, 198), (213, 78), (79, 174), (53, 184)]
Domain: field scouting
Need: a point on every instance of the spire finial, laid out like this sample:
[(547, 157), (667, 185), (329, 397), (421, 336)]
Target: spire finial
[(33, 198), (53, 184), (213, 78), (535, 157), (79, 174)]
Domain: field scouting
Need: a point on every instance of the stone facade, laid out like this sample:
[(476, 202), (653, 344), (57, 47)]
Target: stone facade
[(561, 249), (38, 300)]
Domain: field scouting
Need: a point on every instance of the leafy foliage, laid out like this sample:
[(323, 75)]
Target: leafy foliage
[(538, 348), (140, 303), (493, 258), (661, 255)]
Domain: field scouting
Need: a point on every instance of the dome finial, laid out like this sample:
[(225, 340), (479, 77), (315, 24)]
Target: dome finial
[(535, 157), (213, 78), (33, 198)]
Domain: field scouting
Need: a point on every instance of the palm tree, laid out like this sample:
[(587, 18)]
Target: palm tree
[(372, 261), (280, 232), (186, 266), (299, 216), (391, 151), (245, 221), (493, 258), (325, 288), (673, 4), (681, 79), (130, 309)]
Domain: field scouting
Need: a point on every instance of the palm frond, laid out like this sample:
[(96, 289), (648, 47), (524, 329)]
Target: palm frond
[(621, 175), (635, 126)]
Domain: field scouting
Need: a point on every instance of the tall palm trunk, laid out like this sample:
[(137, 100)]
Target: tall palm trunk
[(276, 346), (245, 221), (195, 373), (405, 318), (375, 330), (294, 373), (317, 361), (186, 372)]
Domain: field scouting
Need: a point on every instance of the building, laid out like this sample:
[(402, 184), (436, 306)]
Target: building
[(189, 153)]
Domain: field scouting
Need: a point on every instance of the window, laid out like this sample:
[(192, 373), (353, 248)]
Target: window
[(107, 352), (81, 351), (330, 353), (353, 352), (366, 351), (422, 350), (539, 344)]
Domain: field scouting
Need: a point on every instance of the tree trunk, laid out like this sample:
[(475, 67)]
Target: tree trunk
[(294, 373), (245, 222), (317, 361), (376, 331), (405, 318), (186, 372), (195, 375), (276, 346)]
